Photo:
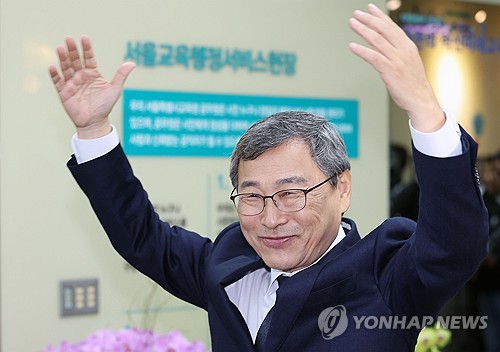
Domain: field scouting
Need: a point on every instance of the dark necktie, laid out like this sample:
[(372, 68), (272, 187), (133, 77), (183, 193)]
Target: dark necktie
[(264, 327)]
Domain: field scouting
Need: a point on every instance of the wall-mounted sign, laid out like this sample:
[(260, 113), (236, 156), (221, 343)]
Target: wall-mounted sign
[(427, 30), (160, 123), (215, 59)]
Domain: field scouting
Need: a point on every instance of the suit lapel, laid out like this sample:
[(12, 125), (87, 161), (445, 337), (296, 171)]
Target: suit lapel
[(292, 295), (227, 273)]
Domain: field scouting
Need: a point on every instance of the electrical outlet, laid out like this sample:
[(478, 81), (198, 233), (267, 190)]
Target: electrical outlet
[(79, 297)]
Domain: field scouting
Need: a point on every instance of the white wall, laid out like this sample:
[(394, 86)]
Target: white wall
[(48, 231)]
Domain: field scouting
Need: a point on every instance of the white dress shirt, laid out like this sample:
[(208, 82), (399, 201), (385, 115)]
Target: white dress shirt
[(255, 294)]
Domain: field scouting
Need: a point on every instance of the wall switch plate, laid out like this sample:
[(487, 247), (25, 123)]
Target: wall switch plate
[(78, 297)]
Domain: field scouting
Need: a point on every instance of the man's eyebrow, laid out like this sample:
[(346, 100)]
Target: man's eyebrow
[(280, 182), (291, 180), (246, 184)]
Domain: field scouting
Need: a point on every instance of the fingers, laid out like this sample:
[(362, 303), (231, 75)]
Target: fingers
[(56, 79), (65, 63), (122, 73), (387, 41), (88, 54), (74, 57), (70, 61), (372, 29), (382, 24), (370, 56)]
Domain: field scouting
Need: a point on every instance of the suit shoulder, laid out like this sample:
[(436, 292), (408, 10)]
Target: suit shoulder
[(393, 232), (229, 229), (230, 235)]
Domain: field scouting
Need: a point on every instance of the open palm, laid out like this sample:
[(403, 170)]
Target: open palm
[(87, 97), (397, 60)]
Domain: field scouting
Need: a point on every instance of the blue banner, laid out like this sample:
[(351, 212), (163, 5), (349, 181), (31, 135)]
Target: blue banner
[(160, 123)]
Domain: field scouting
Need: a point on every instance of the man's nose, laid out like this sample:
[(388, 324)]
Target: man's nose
[(271, 216)]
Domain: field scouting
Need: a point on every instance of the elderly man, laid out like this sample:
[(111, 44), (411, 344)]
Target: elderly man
[(292, 185)]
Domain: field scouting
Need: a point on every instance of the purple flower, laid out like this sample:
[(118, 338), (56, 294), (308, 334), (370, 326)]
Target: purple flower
[(131, 340)]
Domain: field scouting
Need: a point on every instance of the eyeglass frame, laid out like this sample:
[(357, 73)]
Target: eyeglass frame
[(232, 197)]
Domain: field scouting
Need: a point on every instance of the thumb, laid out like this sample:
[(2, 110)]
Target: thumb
[(122, 73)]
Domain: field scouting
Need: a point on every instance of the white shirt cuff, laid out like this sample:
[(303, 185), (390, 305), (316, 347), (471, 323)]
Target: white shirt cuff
[(442, 143), (89, 149)]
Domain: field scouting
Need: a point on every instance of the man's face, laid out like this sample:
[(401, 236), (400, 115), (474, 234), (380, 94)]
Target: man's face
[(291, 241)]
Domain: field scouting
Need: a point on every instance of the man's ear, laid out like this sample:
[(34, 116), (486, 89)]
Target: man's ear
[(344, 189)]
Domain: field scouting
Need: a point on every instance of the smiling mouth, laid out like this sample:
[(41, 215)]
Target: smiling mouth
[(276, 242)]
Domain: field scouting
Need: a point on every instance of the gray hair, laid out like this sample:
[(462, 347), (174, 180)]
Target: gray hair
[(326, 145)]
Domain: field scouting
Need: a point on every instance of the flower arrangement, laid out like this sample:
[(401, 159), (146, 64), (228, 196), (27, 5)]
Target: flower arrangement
[(433, 339), (131, 340)]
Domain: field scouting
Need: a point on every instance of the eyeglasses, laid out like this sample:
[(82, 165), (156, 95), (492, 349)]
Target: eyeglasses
[(287, 200)]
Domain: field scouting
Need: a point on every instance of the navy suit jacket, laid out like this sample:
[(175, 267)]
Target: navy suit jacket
[(401, 268)]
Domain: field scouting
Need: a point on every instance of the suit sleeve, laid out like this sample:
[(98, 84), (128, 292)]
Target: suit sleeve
[(171, 256), (417, 273)]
